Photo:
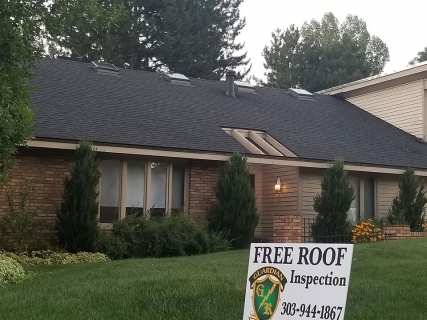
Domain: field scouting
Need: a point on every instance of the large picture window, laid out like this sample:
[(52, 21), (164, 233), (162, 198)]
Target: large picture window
[(133, 186)]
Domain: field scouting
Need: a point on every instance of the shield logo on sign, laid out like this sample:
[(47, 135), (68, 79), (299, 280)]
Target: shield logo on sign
[(265, 297)]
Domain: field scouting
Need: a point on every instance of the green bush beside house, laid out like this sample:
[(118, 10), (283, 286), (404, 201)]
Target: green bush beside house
[(332, 204), (408, 205), (235, 215)]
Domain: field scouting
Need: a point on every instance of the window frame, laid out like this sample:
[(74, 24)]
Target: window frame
[(147, 184)]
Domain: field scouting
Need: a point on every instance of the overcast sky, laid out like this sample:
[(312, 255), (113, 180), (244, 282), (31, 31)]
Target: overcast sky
[(402, 25)]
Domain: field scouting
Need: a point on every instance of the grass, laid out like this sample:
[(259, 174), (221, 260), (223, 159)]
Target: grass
[(388, 281)]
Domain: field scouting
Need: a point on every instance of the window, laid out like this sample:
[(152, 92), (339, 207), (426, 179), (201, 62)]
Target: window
[(369, 192), (110, 191), (354, 212), (178, 184), (363, 205), (158, 189), (133, 186)]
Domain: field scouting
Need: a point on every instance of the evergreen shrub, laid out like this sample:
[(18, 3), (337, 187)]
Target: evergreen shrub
[(332, 204), (408, 205), (162, 237), (77, 223), (235, 213)]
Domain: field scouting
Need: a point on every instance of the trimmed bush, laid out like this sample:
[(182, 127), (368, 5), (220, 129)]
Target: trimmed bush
[(47, 257), (332, 204), (165, 237), (10, 270), (114, 247), (77, 225), (235, 213)]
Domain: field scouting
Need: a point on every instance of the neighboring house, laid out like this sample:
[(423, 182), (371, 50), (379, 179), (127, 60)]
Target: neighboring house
[(163, 138), (399, 98)]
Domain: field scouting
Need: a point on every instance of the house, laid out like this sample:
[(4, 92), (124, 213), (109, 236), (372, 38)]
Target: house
[(400, 98), (163, 137)]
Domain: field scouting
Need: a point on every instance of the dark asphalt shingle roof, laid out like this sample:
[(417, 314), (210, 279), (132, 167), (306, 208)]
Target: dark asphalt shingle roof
[(144, 109)]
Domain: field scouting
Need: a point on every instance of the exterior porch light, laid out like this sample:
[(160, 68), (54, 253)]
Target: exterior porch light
[(278, 185)]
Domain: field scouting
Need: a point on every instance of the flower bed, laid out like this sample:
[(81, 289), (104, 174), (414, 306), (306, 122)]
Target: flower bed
[(367, 231)]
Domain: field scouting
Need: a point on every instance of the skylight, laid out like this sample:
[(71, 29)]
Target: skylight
[(104, 67), (244, 87), (301, 94), (180, 79), (259, 142)]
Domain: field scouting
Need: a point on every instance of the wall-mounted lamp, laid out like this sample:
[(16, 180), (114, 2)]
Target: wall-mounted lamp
[(278, 185)]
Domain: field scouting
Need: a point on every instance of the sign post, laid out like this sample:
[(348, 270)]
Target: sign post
[(297, 281)]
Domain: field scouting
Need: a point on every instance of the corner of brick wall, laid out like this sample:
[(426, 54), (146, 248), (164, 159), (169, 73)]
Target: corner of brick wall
[(398, 232), (287, 228), (46, 169), (203, 179)]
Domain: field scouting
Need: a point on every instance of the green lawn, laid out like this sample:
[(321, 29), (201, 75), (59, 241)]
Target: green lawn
[(388, 281)]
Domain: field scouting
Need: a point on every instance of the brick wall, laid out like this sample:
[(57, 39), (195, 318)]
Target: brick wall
[(287, 228), (203, 178), (46, 169), (398, 232)]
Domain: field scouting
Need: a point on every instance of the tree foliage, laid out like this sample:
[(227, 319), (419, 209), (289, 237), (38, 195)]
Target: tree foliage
[(332, 204), (323, 54), (421, 57), (196, 38), (77, 223), (235, 213), (408, 205), (20, 25)]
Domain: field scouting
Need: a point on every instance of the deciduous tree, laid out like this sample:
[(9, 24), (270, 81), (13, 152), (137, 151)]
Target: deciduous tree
[(323, 54), (20, 30), (421, 57)]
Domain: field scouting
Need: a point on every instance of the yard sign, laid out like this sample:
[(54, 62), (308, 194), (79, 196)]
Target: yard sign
[(297, 281)]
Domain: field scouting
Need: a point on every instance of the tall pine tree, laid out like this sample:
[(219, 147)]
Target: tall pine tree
[(332, 205), (235, 213), (408, 205), (196, 38), (77, 223)]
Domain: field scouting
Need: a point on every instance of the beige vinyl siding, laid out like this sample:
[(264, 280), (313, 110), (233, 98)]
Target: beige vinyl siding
[(257, 169), (386, 191), (310, 186), (277, 202), (401, 106)]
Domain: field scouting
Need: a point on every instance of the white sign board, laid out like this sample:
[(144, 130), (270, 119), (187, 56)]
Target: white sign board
[(297, 281)]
